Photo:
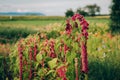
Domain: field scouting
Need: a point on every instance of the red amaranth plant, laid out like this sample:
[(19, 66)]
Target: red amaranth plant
[(31, 58), (62, 50), (84, 33), (35, 51), (52, 50), (84, 57), (83, 38), (84, 25), (20, 58)]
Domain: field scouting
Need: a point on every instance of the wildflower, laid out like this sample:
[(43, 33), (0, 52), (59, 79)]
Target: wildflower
[(85, 34), (104, 55), (62, 72), (52, 55), (73, 18), (84, 24), (68, 28), (64, 78), (65, 48), (52, 51)]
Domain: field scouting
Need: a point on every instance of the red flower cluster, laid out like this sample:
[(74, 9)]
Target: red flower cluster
[(65, 48), (77, 16), (31, 58), (84, 26), (35, 51), (52, 50), (84, 57), (83, 23), (20, 58), (62, 72), (68, 27)]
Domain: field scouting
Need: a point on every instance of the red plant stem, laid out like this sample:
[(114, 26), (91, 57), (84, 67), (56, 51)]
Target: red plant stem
[(30, 57), (20, 58), (76, 69), (35, 51), (65, 50), (52, 50)]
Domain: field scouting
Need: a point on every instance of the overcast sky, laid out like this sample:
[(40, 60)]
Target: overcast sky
[(50, 7)]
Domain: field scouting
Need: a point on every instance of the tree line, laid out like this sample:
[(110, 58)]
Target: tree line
[(88, 10)]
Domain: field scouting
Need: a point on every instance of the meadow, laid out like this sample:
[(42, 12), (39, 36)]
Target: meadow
[(103, 47)]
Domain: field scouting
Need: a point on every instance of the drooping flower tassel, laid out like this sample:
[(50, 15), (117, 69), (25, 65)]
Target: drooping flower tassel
[(20, 58), (31, 58), (84, 36)]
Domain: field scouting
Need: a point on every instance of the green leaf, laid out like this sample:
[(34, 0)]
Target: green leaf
[(51, 71), (39, 57), (75, 46), (52, 64), (70, 57), (37, 64)]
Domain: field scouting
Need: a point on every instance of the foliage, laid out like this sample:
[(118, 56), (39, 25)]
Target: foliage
[(103, 56), (4, 68), (92, 9), (2, 74), (9, 34), (115, 16), (82, 12), (69, 13)]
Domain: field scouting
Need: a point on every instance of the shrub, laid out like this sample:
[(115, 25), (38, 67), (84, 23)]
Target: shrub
[(69, 13), (115, 16)]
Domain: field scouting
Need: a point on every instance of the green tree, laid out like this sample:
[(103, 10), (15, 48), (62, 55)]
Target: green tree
[(69, 13), (92, 9), (82, 11), (115, 16)]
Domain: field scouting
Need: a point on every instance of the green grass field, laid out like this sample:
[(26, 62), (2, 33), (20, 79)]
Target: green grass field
[(11, 30), (103, 47)]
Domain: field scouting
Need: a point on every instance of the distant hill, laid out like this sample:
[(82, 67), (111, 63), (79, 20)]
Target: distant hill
[(20, 13)]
